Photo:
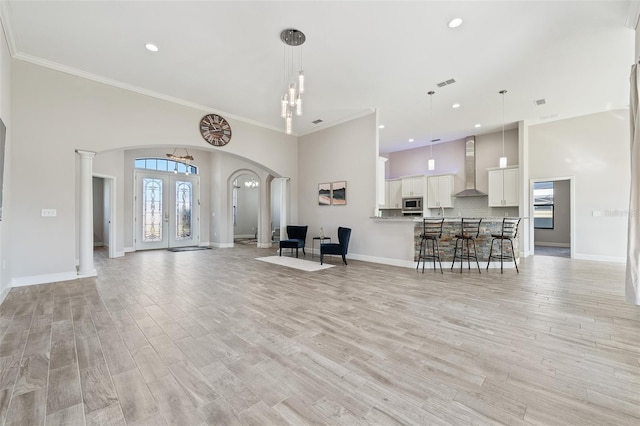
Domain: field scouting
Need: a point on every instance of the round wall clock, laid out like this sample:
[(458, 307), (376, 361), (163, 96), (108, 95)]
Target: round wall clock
[(215, 130)]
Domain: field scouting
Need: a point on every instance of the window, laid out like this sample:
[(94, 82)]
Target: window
[(163, 165), (543, 205)]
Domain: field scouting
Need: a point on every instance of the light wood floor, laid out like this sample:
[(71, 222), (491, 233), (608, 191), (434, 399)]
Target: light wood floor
[(216, 337)]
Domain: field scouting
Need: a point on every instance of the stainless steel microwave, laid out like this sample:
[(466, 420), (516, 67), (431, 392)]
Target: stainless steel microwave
[(412, 204)]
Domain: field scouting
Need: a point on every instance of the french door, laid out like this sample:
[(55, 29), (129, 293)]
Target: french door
[(167, 210)]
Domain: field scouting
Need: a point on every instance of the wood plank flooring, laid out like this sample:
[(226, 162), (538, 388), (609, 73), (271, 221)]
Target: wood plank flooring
[(216, 337)]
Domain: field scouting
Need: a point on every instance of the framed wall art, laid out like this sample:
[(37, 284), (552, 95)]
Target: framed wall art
[(339, 193), (324, 194)]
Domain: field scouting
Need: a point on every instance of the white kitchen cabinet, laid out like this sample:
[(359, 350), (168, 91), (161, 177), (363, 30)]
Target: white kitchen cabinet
[(393, 194), (504, 187), (413, 186), (440, 191)]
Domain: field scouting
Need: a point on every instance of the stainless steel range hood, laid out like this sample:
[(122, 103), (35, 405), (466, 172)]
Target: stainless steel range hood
[(470, 170)]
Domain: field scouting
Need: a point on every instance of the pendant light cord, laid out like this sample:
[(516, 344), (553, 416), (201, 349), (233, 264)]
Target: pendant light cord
[(430, 93), (503, 92)]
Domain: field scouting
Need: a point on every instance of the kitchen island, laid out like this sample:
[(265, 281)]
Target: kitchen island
[(451, 226)]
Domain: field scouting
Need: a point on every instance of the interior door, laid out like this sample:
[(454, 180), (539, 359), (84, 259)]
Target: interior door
[(167, 210)]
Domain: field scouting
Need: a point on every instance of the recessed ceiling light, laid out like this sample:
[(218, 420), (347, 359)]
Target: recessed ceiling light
[(455, 23), (151, 47), (477, 125), (456, 105), (381, 126), (411, 140)]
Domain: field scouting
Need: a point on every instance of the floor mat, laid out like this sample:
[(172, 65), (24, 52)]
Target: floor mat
[(175, 249), (292, 262)]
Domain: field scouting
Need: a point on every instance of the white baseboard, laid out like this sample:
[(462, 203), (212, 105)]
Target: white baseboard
[(119, 254), (98, 244), (264, 245), (244, 236), (204, 244), (598, 258), (543, 244), (45, 278), (222, 245), (129, 249), (4, 294)]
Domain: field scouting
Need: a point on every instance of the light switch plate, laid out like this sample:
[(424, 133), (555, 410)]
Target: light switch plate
[(49, 212)]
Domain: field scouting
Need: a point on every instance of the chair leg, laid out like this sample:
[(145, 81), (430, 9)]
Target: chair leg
[(321, 257), (502, 256), (513, 253), (419, 254), (439, 259), (455, 250), (344, 259), (475, 254), (280, 251), (490, 252), (304, 252), (296, 252)]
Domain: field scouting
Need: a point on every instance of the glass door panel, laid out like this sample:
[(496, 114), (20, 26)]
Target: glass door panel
[(167, 210)]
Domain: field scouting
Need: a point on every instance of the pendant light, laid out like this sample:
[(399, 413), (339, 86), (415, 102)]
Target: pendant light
[(503, 159), (431, 165), (291, 101)]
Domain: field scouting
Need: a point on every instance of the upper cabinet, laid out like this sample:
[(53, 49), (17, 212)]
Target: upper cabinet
[(413, 186), (440, 191), (503, 187), (393, 194)]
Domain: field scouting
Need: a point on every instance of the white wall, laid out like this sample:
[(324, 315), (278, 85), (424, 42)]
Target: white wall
[(7, 198), (349, 152), (594, 149), (82, 114)]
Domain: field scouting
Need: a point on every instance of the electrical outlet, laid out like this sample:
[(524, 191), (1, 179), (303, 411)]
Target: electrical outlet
[(49, 212)]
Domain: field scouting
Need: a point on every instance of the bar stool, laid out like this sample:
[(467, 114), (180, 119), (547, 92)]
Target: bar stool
[(469, 231), (508, 232), (431, 231)]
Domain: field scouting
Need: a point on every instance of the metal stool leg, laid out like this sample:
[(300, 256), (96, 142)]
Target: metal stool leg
[(475, 254), (513, 253), (439, 259)]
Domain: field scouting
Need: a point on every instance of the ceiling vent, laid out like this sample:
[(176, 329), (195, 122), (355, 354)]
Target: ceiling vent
[(539, 102), (446, 82), (318, 121)]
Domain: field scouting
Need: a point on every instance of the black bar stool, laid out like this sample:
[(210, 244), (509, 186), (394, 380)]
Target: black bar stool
[(431, 231), (508, 232), (469, 231)]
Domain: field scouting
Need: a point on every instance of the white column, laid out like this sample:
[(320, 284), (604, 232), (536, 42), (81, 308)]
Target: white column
[(86, 268)]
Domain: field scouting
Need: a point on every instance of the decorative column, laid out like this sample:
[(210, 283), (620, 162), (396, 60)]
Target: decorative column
[(86, 268)]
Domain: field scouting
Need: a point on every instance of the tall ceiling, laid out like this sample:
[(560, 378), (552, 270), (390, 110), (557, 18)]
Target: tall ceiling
[(227, 57)]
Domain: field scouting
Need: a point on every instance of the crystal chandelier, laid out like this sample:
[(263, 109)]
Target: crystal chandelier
[(252, 183), (291, 101)]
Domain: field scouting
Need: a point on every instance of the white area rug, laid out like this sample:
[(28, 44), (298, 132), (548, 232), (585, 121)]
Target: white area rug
[(292, 262)]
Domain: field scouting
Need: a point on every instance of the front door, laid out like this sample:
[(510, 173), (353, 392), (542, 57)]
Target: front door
[(167, 210)]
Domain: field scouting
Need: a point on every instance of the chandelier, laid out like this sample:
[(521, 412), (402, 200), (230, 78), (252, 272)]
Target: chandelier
[(291, 101), (252, 183), (186, 159)]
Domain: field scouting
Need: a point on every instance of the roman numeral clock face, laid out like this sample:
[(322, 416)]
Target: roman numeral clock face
[(215, 130)]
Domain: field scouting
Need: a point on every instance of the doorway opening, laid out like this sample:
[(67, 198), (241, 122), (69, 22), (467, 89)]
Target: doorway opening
[(245, 205), (552, 217), (104, 213)]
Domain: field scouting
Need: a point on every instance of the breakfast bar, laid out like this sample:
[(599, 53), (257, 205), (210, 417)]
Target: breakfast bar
[(451, 227)]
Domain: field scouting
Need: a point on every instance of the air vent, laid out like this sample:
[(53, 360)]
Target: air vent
[(318, 121), (539, 102), (435, 140), (446, 82)]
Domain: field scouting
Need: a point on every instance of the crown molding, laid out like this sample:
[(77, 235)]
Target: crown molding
[(633, 14), (5, 13)]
